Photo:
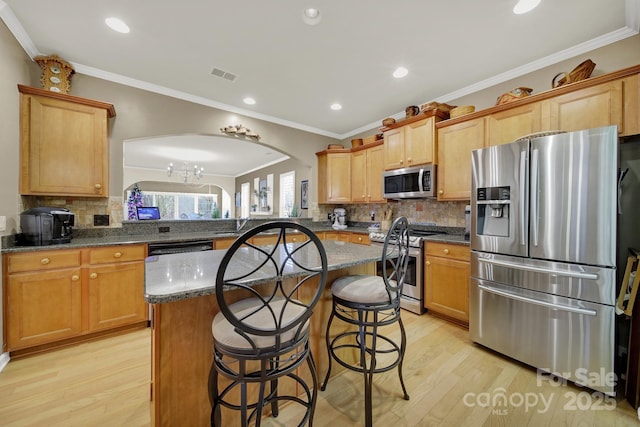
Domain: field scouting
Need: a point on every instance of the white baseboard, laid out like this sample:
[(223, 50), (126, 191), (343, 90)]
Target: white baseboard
[(4, 359)]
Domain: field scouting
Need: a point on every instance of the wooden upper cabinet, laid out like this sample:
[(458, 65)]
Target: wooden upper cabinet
[(410, 145), (64, 148), (631, 96), (367, 166), (455, 144), (334, 176), (591, 107), (508, 125)]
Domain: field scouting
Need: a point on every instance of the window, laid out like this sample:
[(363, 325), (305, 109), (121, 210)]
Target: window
[(182, 205), (245, 196), (288, 194)]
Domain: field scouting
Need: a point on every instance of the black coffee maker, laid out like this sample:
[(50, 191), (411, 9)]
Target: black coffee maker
[(46, 226)]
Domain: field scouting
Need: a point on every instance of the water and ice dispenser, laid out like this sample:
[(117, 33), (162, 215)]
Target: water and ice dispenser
[(493, 211)]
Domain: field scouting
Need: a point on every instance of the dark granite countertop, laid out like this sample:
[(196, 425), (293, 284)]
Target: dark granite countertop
[(187, 231), (176, 277)]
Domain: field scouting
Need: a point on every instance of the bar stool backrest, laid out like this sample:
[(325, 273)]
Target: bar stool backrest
[(395, 258)]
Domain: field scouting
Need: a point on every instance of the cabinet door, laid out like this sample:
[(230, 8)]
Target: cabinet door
[(631, 96), (375, 168), (447, 287), (359, 176), (43, 307), (508, 125), (394, 149), (418, 142), (339, 177), (455, 144), (587, 108), (116, 295), (223, 243), (64, 148)]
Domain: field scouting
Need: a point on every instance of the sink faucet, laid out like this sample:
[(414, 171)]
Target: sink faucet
[(240, 222)]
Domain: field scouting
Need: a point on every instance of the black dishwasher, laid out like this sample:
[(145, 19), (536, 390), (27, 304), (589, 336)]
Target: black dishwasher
[(180, 247)]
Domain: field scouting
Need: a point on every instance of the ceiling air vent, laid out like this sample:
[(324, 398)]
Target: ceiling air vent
[(223, 74)]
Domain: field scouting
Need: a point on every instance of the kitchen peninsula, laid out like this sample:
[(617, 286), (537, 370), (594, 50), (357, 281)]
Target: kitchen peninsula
[(181, 291)]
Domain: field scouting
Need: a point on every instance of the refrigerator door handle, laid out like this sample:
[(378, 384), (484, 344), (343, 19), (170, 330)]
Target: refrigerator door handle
[(538, 302), (575, 274), (523, 175), (535, 196)]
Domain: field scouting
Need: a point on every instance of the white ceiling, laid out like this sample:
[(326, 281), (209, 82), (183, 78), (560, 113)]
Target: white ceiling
[(222, 156), (295, 71)]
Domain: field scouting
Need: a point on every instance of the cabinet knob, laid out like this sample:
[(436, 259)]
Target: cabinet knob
[(117, 255), (441, 192), (428, 262), (93, 275), (446, 251), (98, 186), (409, 160), (75, 278), (359, 239), (45, 261), (401, 161)]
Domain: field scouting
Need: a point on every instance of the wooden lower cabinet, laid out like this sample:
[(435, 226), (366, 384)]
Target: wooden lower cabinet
[(42, 307), (345, 236), (116, 284), (55, 296), (446, 280)]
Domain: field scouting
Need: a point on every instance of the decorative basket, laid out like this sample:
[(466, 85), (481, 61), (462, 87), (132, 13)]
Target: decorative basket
[(356, 142), (335, 147), (388, 121), (412, 110), (581, 72), (517, 93), (461, 111), (370, 139), (436, 106)]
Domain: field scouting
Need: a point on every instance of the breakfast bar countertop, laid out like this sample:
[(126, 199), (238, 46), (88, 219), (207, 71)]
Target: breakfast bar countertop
[(175, 277)]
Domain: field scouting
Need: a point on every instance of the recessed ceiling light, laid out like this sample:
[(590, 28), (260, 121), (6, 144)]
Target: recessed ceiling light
[(248, 100), (311, 16), (400, 72), (525, 6), (335, 106), (117, 24)]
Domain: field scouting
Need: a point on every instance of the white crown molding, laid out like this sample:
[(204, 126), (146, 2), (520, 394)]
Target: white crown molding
[(632, 16), (139, 84), (562, 55)]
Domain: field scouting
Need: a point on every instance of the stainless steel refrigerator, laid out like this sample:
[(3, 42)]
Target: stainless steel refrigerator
[(543, 261)]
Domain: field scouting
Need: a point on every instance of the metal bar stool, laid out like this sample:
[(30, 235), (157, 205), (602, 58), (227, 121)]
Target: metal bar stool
[(370, 302), (261, 334)]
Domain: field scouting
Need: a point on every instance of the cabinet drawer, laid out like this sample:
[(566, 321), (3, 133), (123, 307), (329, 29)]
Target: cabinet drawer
[(43, 260), (117, 254), (448, 250), (361, 239)]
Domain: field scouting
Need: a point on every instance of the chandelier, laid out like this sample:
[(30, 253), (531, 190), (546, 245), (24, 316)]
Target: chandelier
[(186, 172)]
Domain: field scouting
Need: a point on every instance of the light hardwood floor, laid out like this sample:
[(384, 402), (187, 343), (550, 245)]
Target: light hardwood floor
[(106, 383)]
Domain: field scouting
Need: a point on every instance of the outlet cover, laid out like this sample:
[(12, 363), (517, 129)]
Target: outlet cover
[(100, 220)]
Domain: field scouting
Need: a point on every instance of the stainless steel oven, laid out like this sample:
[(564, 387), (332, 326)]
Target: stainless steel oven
[(412, 290)]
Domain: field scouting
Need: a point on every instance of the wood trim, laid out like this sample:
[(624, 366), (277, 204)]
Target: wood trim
[(28, 90), (568, 88)]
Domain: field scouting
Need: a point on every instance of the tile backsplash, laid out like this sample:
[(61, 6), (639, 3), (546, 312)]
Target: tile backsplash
[(449, 214), (83, 208)]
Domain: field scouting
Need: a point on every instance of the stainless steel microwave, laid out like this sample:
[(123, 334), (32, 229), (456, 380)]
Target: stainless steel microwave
[(409, 183)]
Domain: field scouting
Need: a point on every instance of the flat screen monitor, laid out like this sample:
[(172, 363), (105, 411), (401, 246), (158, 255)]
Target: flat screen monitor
[(147, 212)]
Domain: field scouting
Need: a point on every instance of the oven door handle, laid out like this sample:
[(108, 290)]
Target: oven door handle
[(528, 300)]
